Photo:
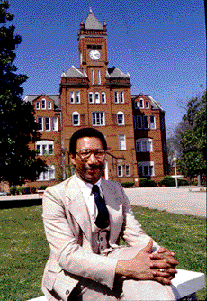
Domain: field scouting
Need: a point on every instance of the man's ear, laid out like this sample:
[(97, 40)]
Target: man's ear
[(73, 159)]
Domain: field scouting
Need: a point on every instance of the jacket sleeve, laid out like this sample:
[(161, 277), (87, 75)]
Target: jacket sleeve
[(63, 241), (132, 232)]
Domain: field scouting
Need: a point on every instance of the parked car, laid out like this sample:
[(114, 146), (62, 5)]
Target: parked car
[(2, 193)]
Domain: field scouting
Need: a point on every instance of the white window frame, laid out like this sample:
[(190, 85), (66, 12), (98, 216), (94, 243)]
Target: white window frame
[(55, 123), (47, 123), (72, 97), (73, 116), (144, 145), (43, 147), (136, 104), (43, 101), (97, 97), (47, 175), (153, 124), (122, 141), (90, 97), (141, 103), (92, 76), (116, 97), (49, 105), (77, 97), (40, 123), (127, 170), (148, 166), (37, 105), (103, 97), (121, 97), (98, 118), (122, 118), (99, 76), (147, 104), (119, 171)]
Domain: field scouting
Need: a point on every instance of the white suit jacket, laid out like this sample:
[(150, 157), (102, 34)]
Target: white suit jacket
[(69, 233)]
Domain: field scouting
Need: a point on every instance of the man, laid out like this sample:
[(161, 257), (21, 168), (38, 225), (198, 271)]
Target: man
[(84, 218)]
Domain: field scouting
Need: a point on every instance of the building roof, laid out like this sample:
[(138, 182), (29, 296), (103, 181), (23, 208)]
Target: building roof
[(74, 72), (116, 72), (155, 104), (92, 22), (55, 98)]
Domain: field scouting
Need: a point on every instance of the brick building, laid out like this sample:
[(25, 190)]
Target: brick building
[(94, 95)]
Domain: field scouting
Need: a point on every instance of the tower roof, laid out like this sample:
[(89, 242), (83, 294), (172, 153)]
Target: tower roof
[(92, 22)]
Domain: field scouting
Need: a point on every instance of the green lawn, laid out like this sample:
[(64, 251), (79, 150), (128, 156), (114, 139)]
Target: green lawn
[(24, 249)]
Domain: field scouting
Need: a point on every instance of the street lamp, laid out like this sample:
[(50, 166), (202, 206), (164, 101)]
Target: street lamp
[(176, 179)]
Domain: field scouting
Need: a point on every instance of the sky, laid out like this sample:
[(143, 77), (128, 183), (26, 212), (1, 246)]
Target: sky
[(161, 43)]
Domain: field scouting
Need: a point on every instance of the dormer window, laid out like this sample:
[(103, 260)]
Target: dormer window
[(141, 103), (43, 104), (37, 105), (49, 105)]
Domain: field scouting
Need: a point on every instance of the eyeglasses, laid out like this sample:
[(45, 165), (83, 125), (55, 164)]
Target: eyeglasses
[(85, 154)]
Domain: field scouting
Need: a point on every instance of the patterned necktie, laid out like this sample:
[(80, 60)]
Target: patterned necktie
[(102, 219)]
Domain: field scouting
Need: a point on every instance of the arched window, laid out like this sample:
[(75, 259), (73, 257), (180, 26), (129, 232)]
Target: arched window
[(144, 145), (120, 118), (76, 119)]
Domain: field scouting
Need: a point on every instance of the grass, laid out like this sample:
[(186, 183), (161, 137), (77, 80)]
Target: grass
[(24, 249)]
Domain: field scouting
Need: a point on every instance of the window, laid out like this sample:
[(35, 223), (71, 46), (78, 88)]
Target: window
[(98, 118), (55, 124), (139, 122), (152, 122), (145, 122), (72, 97), (116, 97), (120, 118), (119, 171), (37, 105), (121, 97), (76, 119), (162, 120), (99, 77), (44, 148), (136, 104), (43, 104), (49, 105), (147, 104), (92, 77), (90, 97), (48, 174), (122, 142), (47, 124), (141, 103), (97, 97), (146, 169), (103, 97), (40, 123), (127, 170), (144, 145), (78, 97)]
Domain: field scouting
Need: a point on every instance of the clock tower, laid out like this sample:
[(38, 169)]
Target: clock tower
[(92, 44)]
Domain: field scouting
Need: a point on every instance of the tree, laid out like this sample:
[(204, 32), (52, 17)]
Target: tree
[(193, 139), (17, 124)]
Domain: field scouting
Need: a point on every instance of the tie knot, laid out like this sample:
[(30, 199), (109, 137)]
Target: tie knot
[(95, 189)]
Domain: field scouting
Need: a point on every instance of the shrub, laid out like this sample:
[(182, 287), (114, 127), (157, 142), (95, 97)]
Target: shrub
[(33, 190), (144, 182), (13, 190), (127, 184), (182, 182), (43, 187), (167, 181)]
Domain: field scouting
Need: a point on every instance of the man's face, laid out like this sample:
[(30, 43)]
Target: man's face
[(91, 169)]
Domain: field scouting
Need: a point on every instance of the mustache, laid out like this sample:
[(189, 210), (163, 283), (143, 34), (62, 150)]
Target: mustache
[(94, 166)]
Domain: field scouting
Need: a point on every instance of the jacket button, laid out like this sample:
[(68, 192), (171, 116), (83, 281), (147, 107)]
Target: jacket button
[(67, 292)]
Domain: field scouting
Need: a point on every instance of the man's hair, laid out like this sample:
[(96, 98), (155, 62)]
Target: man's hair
[(85, 132)]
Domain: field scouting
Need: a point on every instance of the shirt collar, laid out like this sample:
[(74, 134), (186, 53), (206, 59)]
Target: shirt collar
[(82, 184)]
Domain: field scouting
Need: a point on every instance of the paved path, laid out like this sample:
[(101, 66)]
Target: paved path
[(174, 200)]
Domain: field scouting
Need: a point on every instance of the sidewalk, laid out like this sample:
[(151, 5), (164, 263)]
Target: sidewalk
[(174, 200)]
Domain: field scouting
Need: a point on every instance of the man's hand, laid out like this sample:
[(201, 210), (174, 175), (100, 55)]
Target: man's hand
[(144, 266)]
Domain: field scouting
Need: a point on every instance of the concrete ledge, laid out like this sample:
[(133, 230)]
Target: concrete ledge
[(197, 189)]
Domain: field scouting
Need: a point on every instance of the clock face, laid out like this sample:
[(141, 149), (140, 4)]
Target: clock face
[(95, 54)]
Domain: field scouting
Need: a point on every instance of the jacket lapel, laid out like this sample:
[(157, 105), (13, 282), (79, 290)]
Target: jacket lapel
[(78, 208)]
